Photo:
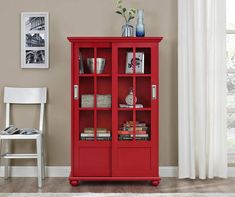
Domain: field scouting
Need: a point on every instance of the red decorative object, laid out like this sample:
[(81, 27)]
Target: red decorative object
[(100, 150)]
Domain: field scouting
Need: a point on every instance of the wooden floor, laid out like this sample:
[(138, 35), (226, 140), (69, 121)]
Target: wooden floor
[(168, 185)]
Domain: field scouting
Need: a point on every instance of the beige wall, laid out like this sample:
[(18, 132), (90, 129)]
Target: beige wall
[(83, 18)]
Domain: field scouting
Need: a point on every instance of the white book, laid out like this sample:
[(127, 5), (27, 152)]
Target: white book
[(140, 135), (131, 106), (98, 134)]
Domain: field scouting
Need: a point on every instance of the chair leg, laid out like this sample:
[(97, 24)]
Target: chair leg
[(39, 160), (43, 168), (7, 148), (1, 152), (43, 161)]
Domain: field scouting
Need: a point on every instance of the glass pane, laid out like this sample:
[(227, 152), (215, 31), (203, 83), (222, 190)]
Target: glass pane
[(230, 45), (124, 64), (104, 125), (125, 125), (104, 92), (143, 125), (143, 92), (231, 71), (84, 54), (86, 125), (231, 131), (230, 14), (231, 83), (125, 85), (145, 62), (104, 61), (230, 101), (86, 92)]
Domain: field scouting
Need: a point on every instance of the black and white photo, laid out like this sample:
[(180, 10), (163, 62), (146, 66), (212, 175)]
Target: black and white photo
[(34, 40), (35, 57), (34, 23), (139, 63)]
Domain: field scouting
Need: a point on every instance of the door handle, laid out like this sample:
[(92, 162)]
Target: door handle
[(154, 92), (75, 89)]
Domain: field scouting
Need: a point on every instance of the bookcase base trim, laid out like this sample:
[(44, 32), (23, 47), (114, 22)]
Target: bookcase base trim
[(114, 178), (74, 181)]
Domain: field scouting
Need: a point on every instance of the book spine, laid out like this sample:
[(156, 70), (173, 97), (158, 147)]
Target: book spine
[(131, 138), (137, 128), (98, 135), (92, 138), (131, 132), (137, 125), (87, 138)]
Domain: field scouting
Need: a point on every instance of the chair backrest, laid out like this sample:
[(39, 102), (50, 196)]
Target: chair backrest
[(14, 95)]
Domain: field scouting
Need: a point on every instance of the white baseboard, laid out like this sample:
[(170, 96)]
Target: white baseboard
[(168, 171), (31, 171), (63, 171)]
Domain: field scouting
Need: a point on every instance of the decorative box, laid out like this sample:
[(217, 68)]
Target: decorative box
[(102, 101)]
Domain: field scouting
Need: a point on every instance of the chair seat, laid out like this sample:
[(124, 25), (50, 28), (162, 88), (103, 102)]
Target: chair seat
[(19, 137), (20, 156)]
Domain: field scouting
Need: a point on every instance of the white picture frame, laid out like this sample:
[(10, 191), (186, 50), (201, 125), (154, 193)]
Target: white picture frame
[(139, 62), (34, 40)]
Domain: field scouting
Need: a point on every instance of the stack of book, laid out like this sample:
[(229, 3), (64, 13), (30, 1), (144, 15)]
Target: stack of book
[(126, 132), (101, 134)]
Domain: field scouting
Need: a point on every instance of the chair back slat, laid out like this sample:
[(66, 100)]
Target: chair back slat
[(7, 114), (25, 95), (41, 117)]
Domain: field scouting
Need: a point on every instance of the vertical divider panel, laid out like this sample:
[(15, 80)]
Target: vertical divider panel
[(154, 110), (114, 107), (134, 94), (74, 107), (95, 93)]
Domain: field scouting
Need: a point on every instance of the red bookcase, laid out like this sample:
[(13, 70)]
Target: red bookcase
[(112, 142)]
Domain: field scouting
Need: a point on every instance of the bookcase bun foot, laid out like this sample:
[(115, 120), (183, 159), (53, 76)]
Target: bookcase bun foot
[(155, 183), (74, 183)]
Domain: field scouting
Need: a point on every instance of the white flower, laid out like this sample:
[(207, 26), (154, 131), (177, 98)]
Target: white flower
[(119, 4), (132, 12)]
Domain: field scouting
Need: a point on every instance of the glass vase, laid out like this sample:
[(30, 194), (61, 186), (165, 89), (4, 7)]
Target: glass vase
[(140, 31), (127, 30)]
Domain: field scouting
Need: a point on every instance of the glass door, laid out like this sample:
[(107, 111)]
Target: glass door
[(135, 92), (94, 109)]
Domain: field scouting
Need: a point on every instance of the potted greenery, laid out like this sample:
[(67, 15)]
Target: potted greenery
[(128, 15)]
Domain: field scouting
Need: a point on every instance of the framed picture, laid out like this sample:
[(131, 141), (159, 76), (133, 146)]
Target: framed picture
[(139, 63), (34, 40)]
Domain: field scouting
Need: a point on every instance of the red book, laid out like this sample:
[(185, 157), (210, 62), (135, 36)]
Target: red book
[(131, 132)]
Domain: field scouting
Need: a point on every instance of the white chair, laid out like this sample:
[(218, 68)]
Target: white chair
[(25, 96)]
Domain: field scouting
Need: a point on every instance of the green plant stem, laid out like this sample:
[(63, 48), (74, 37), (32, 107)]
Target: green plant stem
[(124, 15)]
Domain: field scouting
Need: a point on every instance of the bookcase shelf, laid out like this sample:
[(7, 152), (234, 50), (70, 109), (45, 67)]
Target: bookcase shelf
[(134, 75), (131, 109), (95, 75), (92, 109), (109, 142)]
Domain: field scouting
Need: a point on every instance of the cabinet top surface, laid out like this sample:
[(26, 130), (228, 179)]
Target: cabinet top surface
[(115, 39)]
